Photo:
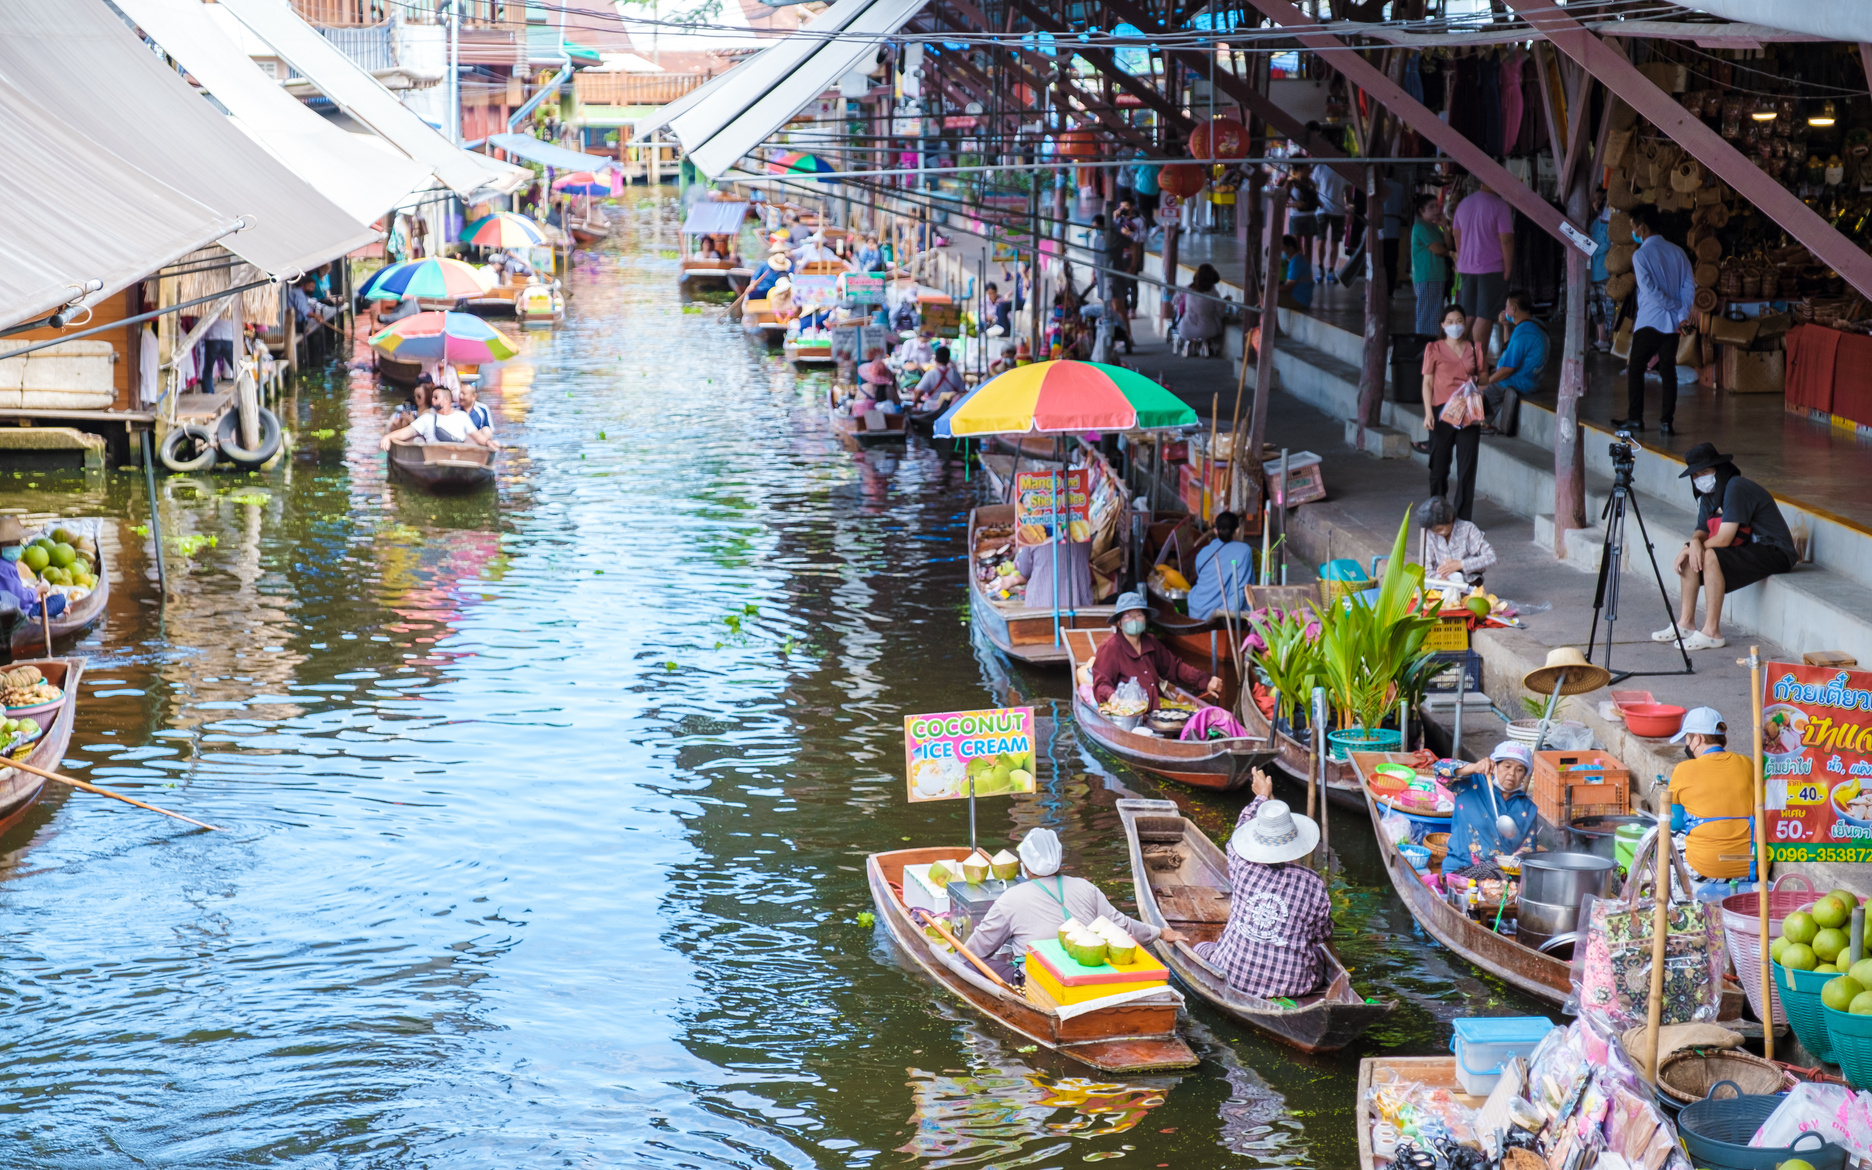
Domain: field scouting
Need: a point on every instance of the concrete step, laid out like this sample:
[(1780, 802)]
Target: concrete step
[(1818, 606)]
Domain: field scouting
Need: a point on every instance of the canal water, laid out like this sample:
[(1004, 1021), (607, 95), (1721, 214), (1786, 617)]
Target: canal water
[(546, 810)]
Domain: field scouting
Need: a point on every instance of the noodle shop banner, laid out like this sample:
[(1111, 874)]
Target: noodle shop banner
[(943, 753), (1817, 760), (1034, 505)]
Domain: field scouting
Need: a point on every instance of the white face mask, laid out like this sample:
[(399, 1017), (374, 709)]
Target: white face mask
[(1704, 483), (1452, 331)]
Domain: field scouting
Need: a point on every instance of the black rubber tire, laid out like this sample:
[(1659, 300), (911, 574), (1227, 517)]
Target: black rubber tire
[(227, 435), (170, 452)]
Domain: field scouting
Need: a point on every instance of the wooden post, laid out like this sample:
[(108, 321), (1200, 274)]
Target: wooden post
[(1377, 305), (1761, 852), (1172, 232), (1660, 928), (1270, 322), (1569, 454)]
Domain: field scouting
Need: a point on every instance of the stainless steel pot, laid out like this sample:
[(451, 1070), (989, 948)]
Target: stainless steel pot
[(1562, 879), (1598, 835), (1544, 919)]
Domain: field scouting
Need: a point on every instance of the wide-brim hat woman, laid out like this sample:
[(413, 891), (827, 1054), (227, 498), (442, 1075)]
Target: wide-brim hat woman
[(1275, 836)]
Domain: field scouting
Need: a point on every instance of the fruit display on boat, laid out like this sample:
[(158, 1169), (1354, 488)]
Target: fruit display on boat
[(63, 559), (24, 686)]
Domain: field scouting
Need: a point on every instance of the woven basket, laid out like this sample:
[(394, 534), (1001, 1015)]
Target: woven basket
[(1717, 215), (1621, 286), (1706, 275), (1709, 249), (1729, 284), (1710, 194), (1689, 1075), (1516, 1158), (1619, 227), (1619, 194), (1438, 845), (1686, 177), (1619, 259), (1706, 300), (1751, 285)]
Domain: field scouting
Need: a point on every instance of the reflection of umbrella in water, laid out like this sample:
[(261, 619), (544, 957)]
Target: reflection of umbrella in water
[(461, 338), (1063, 398)]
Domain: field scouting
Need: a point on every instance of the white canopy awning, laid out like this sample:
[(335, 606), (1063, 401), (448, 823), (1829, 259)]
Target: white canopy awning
[(77, 213), (81, 59), (548, 154), (715, 217), (360, 173), (363, 97), (696, 122), (650, 123), (828, 60)]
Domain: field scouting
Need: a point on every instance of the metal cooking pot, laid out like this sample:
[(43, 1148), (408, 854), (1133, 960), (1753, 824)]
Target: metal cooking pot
[(1562, 879), (1560, 946), (1598, 835), (1544, 919)]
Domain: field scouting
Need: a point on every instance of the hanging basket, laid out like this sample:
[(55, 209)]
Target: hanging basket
[(1686, 177), (1618, 259), (1621, 285), (1706, 276), (1709, 249), (1706, 300), (1619, 193)]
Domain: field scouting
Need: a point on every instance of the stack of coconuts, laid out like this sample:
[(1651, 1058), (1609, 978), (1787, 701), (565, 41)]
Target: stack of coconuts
[(1817, 940)]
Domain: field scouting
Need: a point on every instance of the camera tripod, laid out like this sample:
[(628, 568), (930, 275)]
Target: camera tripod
[(1612, 557)]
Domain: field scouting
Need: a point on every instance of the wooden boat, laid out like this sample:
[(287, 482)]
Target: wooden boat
[(19, 789), (1181, 880), (77, 618), (870, 429), (758, 317), (443, 467), (1436, 1072), (495, 302), (1016, 630), (1294, 757), (1135, 1037), (540, 304), (392, 372), (700, 273), (808, 357), (591, 229), (1219, 764)]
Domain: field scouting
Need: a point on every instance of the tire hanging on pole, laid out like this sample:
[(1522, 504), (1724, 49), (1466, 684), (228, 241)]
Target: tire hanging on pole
[(227, 435), (183, 438)]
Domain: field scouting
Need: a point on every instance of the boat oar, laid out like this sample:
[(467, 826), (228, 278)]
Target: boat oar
[(45, 621), (951, 939), (25, 767)]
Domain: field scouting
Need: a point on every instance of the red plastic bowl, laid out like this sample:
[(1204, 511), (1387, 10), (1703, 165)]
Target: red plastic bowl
[(1653, 720)]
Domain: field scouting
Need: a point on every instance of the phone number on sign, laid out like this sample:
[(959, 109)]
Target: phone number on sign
[(1797, 853)]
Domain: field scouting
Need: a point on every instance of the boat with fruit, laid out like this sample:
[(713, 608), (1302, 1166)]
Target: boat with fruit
[(47, 689), (1181, 881), (1010, 624), (1135, 1033), (1153, 744), (85, 592)]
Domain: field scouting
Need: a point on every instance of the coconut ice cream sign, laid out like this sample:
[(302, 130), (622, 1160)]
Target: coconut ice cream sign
[(959, 754)]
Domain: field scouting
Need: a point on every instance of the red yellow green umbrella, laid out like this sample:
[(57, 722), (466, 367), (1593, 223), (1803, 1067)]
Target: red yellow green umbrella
[(503, 229), (1064, 397)]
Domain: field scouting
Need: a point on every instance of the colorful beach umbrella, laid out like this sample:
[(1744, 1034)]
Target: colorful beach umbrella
[(462, 338), (436, 278), (1064, 398), (503, 229), (794, 162), (582, 183)]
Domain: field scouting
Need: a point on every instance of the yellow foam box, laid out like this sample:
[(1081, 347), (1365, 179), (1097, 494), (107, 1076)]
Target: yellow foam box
[(1067, 981)]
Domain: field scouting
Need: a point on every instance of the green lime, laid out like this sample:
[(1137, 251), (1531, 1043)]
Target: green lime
[(1831, 912), (1829, 944), (1799, 927), (1799, 957), (36, 558), (1838, 994), (63, 555)]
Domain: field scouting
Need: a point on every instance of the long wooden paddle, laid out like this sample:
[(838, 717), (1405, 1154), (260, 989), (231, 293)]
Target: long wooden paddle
[(45, 620), (25, 767), (951, 939)]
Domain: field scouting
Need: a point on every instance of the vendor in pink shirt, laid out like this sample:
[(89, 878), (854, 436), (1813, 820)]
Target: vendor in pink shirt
[(1484, 229)]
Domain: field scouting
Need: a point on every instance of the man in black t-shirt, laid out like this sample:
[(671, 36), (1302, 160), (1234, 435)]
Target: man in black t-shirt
[(1741, 538)]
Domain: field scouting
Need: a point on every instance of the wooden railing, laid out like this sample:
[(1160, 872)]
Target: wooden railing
[(351, 13), (634, 89)]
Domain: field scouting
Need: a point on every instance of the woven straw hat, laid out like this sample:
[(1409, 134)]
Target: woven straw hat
[(1582, 677)]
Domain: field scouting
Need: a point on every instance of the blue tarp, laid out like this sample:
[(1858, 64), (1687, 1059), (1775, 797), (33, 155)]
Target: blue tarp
[(546, 154)]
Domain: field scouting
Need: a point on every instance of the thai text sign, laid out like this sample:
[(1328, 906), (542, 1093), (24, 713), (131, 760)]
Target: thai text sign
[(1036, 510), (1817, 760), (865, 289), (995, 749)]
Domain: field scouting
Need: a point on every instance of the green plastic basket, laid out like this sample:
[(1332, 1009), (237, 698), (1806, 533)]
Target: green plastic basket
[(1851, 1037), (1800, 991)]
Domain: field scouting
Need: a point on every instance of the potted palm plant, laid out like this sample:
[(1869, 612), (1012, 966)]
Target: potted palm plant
[(1371, 653)]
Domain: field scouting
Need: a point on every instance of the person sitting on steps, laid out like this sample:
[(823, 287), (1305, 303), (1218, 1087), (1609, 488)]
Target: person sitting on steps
[(1741, 538)]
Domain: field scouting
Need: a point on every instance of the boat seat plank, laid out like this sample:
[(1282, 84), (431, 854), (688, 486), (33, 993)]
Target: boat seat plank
[(1192, 903)]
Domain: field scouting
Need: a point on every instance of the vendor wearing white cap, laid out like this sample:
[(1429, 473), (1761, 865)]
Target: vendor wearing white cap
[(1279, 912), (1715, 789), (1477, 831), (1039, 906)]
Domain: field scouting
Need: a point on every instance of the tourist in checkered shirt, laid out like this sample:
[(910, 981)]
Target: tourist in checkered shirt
[(1279, 910)]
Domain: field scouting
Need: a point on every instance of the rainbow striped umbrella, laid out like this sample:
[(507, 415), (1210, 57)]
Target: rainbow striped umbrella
[(503, 229), (582, 183), (437, 278), (794, 162), (462, 338), (1064, 398)]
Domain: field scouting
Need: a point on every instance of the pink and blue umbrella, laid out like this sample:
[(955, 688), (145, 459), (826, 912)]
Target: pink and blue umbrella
[(582, 183)]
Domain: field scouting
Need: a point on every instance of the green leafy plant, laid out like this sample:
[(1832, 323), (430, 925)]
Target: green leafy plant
[(1372, 651), (1291, 659)]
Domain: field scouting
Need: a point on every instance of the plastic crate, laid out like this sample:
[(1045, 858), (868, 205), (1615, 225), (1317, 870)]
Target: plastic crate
[(1605, 791), (1443, 682), (1450, 633), (1483, 1044), (1799, 992)]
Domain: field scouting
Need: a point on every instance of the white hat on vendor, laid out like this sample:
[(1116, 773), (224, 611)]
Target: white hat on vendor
[(1040, 852), (779, 262), (1276, 835), (1509, 749), (1701, 721)]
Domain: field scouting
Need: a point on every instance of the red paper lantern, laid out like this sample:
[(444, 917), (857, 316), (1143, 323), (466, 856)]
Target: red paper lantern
[(1181, 179), (1230, 140), (1078, 143)]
